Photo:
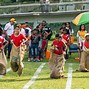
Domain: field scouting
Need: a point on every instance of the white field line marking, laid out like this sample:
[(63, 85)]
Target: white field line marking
[(34, 76), (69, 80), (6, 72)]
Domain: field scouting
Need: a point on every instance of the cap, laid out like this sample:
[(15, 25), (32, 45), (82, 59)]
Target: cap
[(87, 34), (13, 20)]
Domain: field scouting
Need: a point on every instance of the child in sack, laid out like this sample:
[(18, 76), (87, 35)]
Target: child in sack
[(17, 52), (84, 62), (57, 61)]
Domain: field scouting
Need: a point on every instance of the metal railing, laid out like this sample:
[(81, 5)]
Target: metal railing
[(52, 7)]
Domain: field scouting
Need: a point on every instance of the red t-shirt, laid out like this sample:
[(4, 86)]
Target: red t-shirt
[(65, 37), (17, 40), (60, 45), (86, 44), (2, 40), (44, 42)]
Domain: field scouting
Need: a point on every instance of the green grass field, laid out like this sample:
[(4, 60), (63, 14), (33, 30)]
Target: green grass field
[(12, 81)]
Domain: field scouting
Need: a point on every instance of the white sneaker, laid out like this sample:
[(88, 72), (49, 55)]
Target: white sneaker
[(29, 59)]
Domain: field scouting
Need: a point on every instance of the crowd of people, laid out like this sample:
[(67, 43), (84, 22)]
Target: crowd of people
[(20, 38)]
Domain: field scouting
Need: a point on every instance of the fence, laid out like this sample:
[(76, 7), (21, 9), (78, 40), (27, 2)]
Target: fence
[(52, 7)]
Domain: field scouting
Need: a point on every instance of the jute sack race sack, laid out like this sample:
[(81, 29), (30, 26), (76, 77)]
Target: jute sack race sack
[(16, 58), (84, 62), (21, 65), (56, 65), (3, 63)]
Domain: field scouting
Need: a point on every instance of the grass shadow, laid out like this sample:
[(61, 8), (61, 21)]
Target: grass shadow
[(13, 80), (80, 76)]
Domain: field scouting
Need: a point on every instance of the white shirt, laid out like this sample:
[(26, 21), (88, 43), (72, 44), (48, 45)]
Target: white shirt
[(22, 31), (9, 29), (29, 30)]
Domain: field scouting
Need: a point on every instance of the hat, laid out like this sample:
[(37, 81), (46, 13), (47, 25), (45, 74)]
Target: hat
[(13, 20), (87, 34)]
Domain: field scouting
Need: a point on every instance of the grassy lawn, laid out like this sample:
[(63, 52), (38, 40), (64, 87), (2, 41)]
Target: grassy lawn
[(44, 81), (13, 81), (80, 80)]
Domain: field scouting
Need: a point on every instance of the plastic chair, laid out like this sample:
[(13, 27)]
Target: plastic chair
[(73, 48)]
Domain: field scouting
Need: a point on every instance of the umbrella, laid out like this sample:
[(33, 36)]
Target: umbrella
[(82, 18)]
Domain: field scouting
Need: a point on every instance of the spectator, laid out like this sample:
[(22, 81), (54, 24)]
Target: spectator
[(9, 29), (70, 31), (42, 47), (80, 37), (46, 31), (35, 39), (23, 29), (45, 5), (27, 30), (65, 39)]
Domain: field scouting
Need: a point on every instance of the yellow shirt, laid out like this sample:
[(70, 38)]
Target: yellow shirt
[(82, 34)]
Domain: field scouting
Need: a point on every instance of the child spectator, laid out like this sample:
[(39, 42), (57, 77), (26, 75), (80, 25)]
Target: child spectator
[(43, 47), (3, 60), (35, 39), (61, 30), (80, 37), (65, 38), (17, 52), (57, 61)]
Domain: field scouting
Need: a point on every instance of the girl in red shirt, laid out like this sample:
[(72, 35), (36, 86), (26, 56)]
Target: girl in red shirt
[(57, 61), (65, 37), (17, 52)]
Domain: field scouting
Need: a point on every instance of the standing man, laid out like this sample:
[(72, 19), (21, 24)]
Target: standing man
[(27, 29), (44, 5), (46, 31), (9, 29)]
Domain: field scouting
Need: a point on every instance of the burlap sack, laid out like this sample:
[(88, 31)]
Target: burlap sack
[(56, 64), (21, 65), (84, 62), (16, 58), (3, 63)]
